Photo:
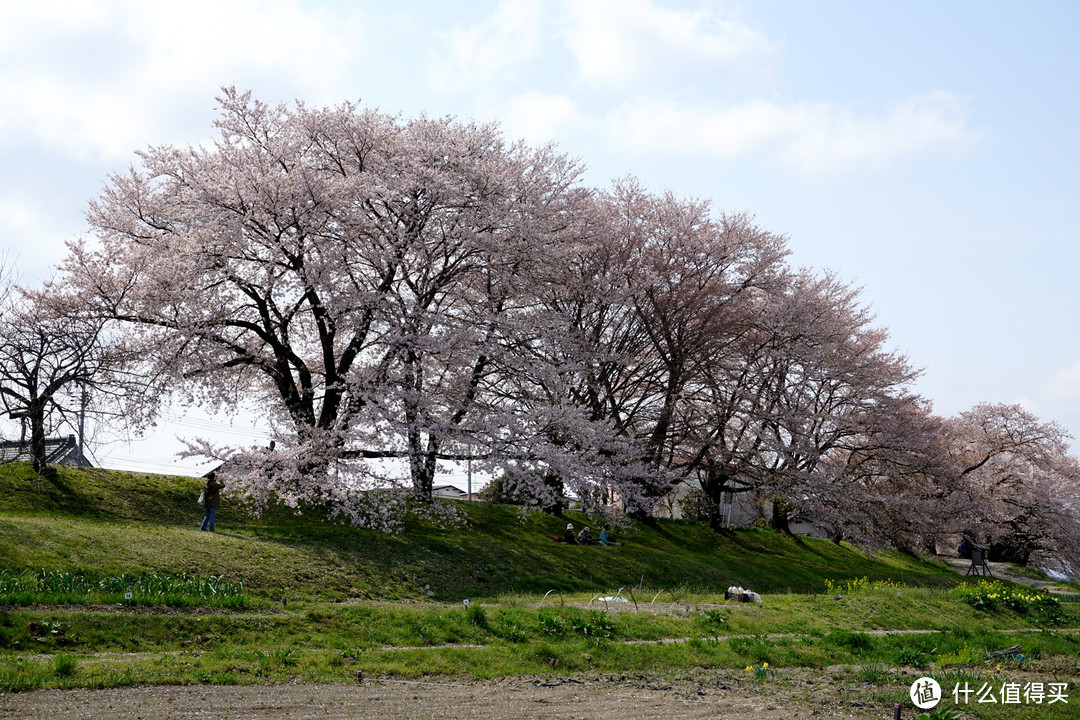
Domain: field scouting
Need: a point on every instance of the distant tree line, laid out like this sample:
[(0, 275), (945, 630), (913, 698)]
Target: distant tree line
[(418, 290)]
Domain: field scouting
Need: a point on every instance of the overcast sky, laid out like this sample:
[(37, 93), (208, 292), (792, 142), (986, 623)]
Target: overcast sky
[(927, 151)]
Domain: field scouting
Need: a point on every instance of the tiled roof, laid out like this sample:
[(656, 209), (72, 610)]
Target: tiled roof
[(58, 451)]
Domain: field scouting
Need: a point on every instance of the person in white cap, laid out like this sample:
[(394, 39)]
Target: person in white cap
[(569, 536)]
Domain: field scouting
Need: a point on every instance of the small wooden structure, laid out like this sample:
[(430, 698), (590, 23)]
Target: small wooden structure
[(979, 554)]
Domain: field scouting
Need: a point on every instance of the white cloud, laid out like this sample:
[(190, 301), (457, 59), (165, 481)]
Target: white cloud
[(22, 217), (831, 138), (101, 83), (57, 14), (537, 117), (618, 42), (811, 138), (1058, 398), (476, 55)]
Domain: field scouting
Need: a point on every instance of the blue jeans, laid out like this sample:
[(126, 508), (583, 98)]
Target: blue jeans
[(208, 521)]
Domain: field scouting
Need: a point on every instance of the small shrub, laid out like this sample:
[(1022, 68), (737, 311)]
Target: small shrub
[(698, 506), (511, 632), (911, 656), (758, 648), (596, 626), (714, 619), (873, 673), (856, 642), (476, 616), (551, 625), (64, 666)]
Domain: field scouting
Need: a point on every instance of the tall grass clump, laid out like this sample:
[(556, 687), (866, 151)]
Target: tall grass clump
[(81, 587), (64, 666), (477, 616)]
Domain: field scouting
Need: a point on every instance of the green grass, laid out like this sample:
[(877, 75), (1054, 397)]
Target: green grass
[(281, 598), (78, 587), (119, 523), (1023, 571), (330, 642)]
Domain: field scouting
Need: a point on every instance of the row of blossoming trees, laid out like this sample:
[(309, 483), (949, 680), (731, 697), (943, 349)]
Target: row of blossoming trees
[(392, 293)]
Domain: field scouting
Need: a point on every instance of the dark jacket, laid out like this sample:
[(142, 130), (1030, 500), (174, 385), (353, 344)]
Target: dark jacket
[(213, 493)]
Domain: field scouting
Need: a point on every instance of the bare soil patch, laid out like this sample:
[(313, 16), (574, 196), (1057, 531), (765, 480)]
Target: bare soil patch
[(798, 694)]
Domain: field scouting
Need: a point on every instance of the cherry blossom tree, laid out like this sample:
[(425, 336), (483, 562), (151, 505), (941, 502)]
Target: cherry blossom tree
[(654, 285), (883, 484), (351, 272), (1014, 484), (56, 364), (833, 374), (786, 402), (415, 291)]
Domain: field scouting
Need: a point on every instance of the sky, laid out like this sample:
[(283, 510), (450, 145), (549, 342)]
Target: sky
[(926, 151)]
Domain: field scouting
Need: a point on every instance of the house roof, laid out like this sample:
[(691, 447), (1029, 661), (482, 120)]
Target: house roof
[(448, 488), (58, 451)]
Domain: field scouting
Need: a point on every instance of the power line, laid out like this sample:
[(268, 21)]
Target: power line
[(215, 426), (149, 465)]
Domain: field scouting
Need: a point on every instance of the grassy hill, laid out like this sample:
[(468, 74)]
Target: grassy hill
[(74, 548), (116, 522)]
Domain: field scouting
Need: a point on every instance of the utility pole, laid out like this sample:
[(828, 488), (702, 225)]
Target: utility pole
[(469, 474)]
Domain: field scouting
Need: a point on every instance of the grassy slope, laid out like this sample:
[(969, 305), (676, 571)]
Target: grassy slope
[(118, 522), (114, 523)]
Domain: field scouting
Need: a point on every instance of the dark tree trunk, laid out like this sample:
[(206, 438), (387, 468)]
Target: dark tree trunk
[(36, 415), (1014, 549), (780, 510), (554, 482), (716, 483)]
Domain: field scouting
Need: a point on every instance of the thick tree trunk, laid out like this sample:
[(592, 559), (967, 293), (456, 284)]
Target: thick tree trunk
[(36, 415), (554, 483), (421, 469), (714, 487), (780, 510)]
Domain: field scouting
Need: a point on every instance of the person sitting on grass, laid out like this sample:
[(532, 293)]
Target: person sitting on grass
[(605, 537), (568, 534), (584, 537)]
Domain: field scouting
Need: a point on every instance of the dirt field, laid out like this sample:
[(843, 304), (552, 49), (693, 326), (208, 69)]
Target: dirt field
[(803, 694)]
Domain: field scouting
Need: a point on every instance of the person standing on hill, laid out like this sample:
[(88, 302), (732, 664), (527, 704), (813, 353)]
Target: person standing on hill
[(212, 495)]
